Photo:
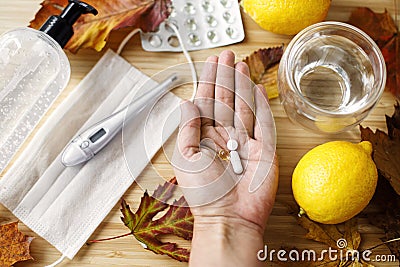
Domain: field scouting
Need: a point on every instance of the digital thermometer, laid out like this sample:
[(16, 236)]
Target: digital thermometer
[(88, 143)]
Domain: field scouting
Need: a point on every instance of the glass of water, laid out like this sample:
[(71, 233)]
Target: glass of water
[(330, 77)]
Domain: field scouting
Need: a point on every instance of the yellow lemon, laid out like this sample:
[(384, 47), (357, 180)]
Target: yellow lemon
[(334, 181), (286, 17)]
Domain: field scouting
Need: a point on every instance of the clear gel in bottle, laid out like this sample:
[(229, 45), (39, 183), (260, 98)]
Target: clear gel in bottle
[(33, 71)]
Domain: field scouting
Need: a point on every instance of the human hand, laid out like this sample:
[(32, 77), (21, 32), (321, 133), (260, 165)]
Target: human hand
[(227, 106)]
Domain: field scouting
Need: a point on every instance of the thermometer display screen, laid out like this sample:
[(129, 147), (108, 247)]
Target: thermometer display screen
[(97, 135)]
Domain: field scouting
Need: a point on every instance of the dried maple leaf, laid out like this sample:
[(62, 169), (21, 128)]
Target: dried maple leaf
[(14, 245), (393, 123), (92, 31), (386, 148), (177, 221), (330, 235), (263, 65), (347, 240), (383, 30), (380, 27), (385, 213), (386, 200)]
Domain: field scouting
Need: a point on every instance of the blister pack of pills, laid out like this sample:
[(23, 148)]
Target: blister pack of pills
[(201, 24)]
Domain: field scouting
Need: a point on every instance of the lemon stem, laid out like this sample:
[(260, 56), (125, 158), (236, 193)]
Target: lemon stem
[(301, 212)]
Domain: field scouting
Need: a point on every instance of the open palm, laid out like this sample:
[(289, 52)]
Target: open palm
[(227, 106)]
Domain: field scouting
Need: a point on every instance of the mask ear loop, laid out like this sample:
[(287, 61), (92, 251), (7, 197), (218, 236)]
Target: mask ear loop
[(57, 261), (184, 50)]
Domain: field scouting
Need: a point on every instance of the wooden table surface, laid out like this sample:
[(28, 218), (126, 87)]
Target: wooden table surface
[(292, 143)]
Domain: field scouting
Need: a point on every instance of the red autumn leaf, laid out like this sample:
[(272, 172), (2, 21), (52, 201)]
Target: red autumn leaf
[(177, 221), (92, 31), (383, 30), (14, 245), (380, 27)]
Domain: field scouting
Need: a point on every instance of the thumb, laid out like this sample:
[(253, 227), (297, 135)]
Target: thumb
[(189, 129)]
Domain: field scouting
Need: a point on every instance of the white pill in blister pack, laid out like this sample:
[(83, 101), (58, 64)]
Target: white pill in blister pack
[(202, 24)]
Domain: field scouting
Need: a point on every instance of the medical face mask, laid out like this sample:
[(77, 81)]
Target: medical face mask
[(64, 205)]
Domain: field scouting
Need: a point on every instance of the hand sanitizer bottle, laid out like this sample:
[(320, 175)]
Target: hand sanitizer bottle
[(33, 71)]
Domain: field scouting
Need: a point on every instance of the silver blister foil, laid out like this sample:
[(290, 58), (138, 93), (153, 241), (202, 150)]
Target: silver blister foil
[(202, 24)]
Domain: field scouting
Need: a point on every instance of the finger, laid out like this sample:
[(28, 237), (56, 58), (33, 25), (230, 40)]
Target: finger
[(244, 117), (264, 126), (205, 92), (224, 90), (189, 129)]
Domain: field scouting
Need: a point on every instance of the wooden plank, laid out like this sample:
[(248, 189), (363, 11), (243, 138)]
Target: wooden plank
[(292, 143)]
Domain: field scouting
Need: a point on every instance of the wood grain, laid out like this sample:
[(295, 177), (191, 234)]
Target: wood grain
[(292, 143)]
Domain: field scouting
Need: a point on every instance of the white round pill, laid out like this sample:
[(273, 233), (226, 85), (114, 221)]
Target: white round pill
[(232, 144)]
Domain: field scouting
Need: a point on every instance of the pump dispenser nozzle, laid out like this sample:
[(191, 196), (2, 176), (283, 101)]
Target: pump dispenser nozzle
[(60, 27)]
